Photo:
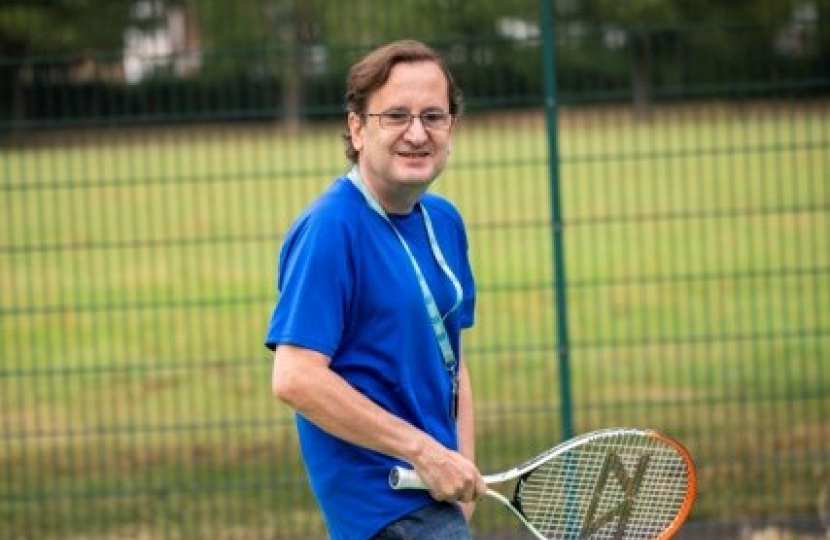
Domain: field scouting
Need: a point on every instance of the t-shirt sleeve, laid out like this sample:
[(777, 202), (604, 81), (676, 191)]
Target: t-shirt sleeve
[(314, 284)]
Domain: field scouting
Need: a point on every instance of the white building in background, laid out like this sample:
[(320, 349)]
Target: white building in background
[(798, 37), (161, 41)]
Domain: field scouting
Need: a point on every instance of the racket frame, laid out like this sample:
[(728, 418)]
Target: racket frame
[(403, 478)]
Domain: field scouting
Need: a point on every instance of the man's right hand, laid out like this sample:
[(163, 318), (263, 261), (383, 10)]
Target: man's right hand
[(448, 475)]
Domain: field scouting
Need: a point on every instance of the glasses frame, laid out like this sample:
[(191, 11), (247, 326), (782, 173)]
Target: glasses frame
[(394, 115)]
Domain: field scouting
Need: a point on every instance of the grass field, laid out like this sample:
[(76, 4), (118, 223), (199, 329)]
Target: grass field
[(137, 273)]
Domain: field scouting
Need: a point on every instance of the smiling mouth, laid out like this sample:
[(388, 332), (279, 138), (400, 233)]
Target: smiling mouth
[(421, 154)]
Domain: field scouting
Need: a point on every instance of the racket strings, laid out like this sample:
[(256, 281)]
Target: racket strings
[(623, 487)]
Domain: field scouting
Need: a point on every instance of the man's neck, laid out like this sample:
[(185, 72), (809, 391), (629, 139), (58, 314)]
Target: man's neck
[(393, 199)]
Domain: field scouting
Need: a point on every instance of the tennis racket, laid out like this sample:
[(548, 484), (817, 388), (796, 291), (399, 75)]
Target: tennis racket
[(614, 484)]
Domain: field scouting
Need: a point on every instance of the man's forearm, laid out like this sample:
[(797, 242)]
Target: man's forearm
[(466, 426), (303, 380), (466, 414)]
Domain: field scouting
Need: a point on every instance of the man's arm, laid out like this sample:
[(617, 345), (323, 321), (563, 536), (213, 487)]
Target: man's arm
[(466, 426), (301, 378)]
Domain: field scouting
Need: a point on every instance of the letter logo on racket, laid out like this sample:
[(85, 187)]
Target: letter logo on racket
[(622, 496)]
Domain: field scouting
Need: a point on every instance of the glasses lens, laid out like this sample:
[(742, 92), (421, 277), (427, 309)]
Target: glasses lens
[(394, 119), (435, 120)]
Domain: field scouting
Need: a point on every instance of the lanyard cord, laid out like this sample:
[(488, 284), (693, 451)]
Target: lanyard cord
[(435, 317)]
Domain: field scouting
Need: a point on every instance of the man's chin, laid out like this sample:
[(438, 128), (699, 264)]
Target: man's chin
[(417, 175), (417, 179)]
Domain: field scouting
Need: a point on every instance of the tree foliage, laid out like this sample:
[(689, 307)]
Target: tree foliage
[(39, 27), (297, 51)]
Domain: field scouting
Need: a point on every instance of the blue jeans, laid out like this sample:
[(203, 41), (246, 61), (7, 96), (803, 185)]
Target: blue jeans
[(436, 521)]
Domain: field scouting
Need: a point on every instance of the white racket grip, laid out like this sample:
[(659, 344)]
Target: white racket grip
[(400, 478)]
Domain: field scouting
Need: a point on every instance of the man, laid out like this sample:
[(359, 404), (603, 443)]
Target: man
[(376, 287)]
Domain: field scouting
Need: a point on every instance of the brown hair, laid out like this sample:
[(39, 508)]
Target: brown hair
[(372, 72)]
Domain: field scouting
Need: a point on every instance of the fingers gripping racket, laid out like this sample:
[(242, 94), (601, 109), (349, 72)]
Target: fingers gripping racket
[(612, 484)]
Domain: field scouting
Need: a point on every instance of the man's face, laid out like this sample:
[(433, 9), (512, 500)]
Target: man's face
[(405, 157)]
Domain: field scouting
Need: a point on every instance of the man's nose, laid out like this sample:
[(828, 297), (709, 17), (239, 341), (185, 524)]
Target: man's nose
[(416, 130)]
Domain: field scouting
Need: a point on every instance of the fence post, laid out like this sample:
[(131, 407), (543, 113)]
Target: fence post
[(558, 223)]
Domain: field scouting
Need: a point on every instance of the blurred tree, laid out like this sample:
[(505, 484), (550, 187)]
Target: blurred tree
[(54, 38), (294, 48), (61, 26), (262, 39), (654, 31)]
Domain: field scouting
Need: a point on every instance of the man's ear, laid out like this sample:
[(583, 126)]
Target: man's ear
[(356, 126)]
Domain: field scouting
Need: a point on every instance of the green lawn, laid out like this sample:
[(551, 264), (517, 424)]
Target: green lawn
[(137, 275)]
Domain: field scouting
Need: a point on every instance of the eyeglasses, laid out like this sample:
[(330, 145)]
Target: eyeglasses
[(401, 120)]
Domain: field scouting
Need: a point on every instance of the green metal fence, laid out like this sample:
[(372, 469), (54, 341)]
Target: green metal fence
[(647, 190)]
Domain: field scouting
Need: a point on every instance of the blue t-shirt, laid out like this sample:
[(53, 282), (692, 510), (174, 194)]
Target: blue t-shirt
[(348, 290)]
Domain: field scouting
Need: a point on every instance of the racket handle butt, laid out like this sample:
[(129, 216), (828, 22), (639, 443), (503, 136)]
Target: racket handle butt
[(400, 478)]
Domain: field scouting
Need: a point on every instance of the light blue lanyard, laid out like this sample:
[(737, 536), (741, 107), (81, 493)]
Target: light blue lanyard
[(432, 308)]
